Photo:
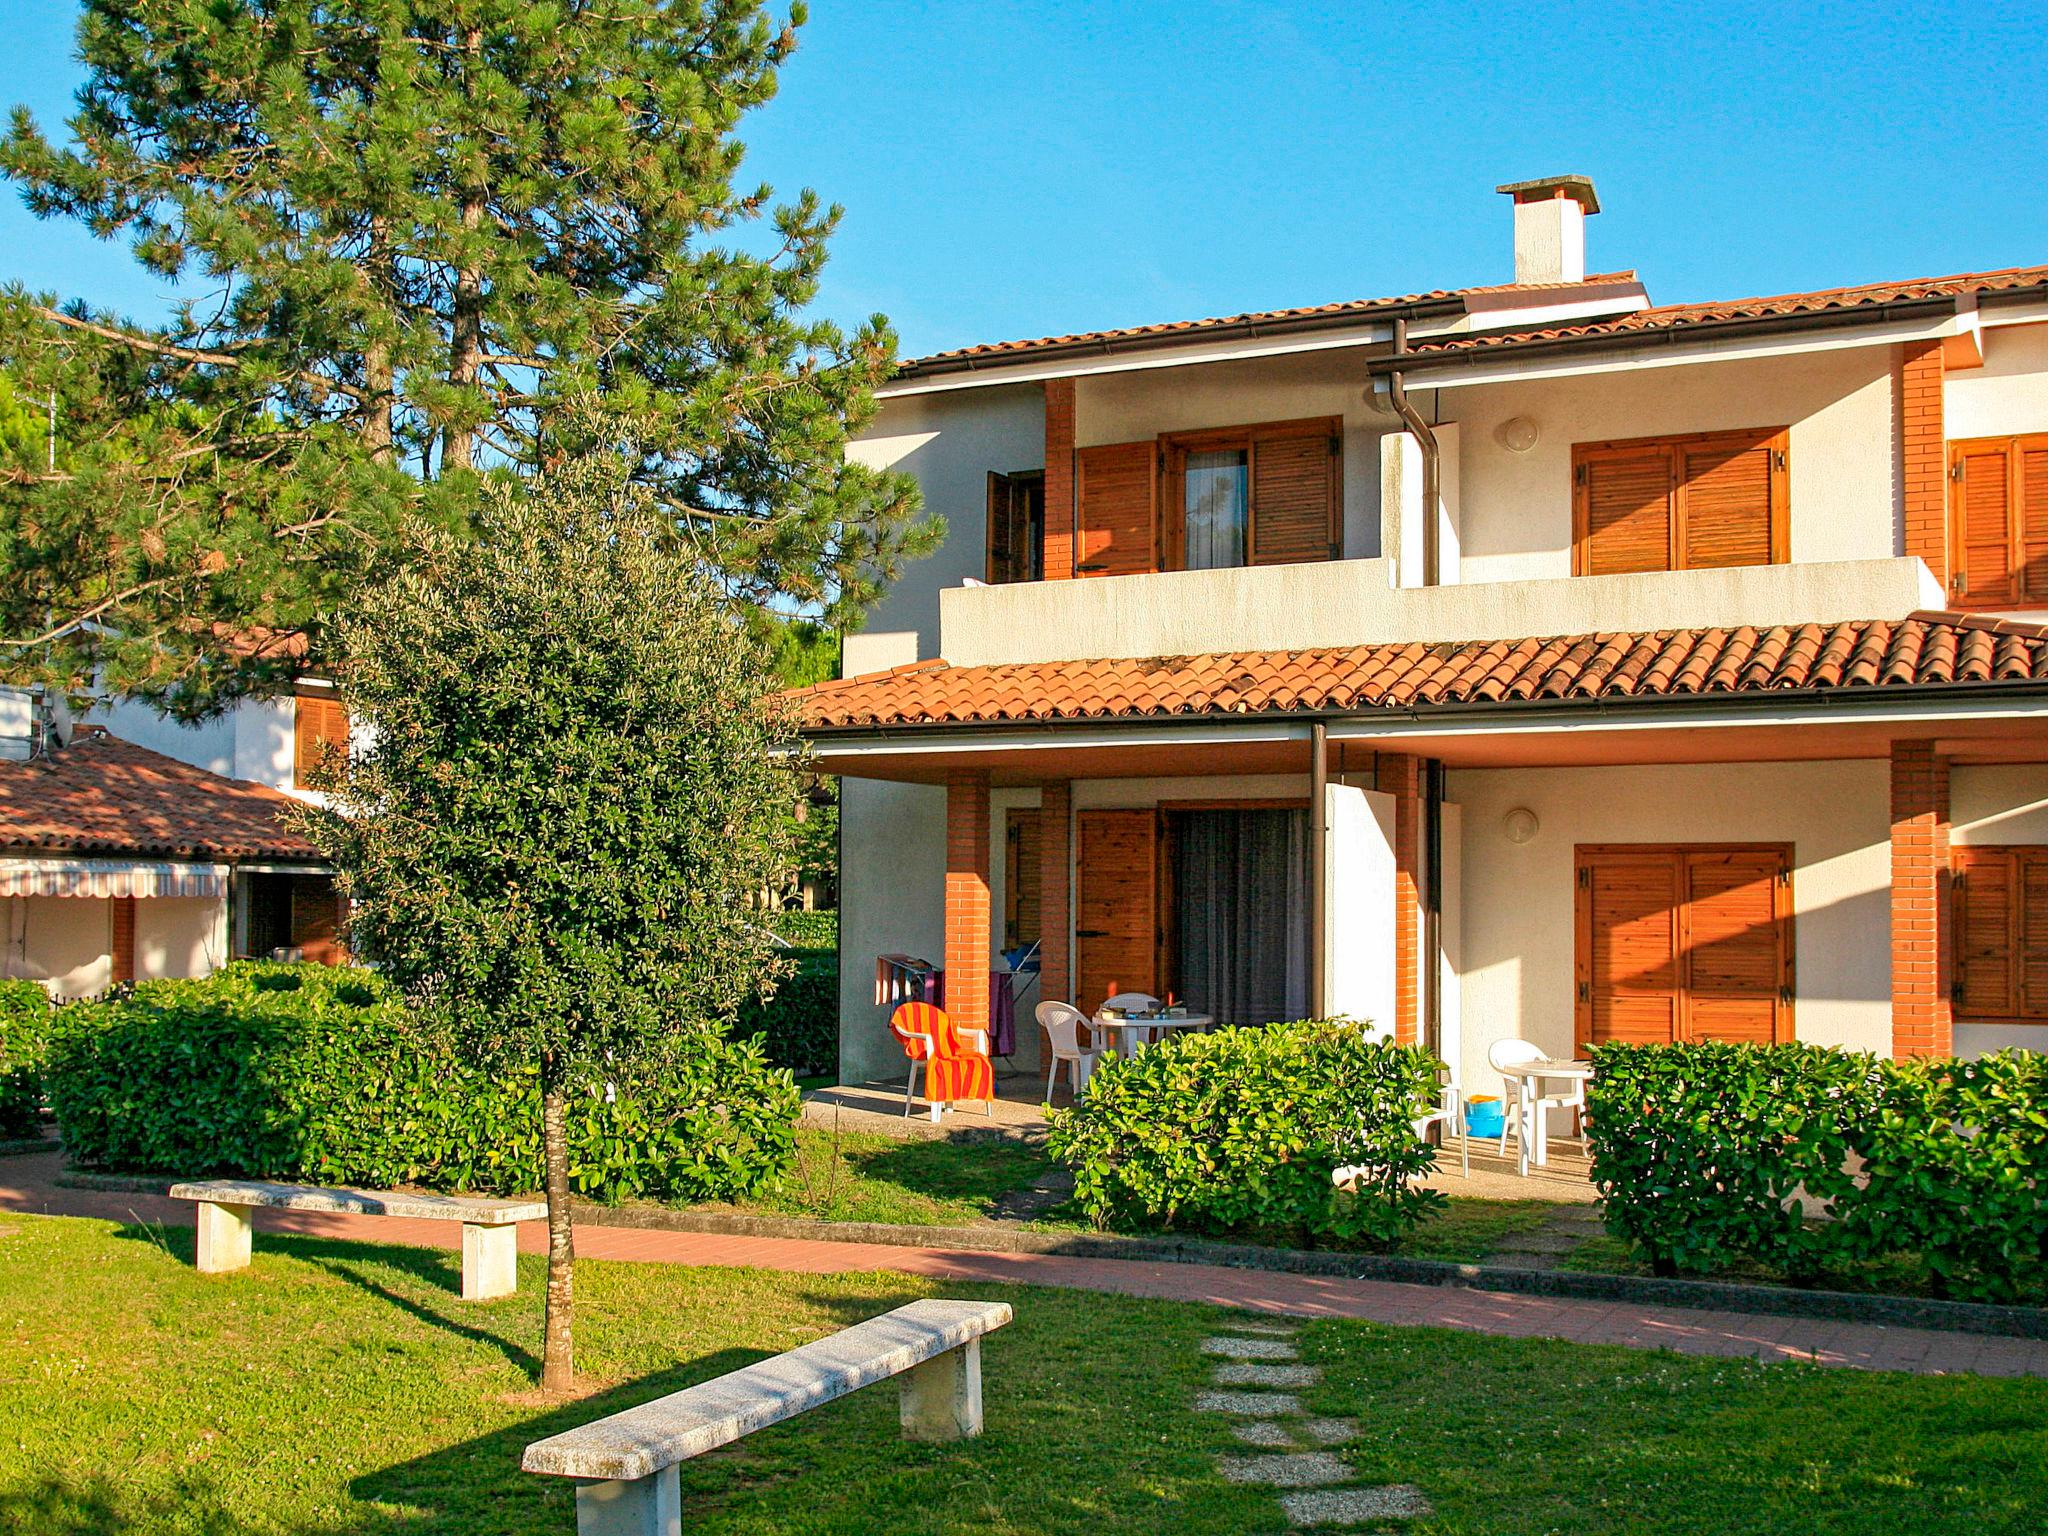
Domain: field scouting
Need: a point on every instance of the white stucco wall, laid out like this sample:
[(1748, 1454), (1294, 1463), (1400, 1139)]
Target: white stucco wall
[(1515, 509), (254, 740), (2008, 394), (892, 884), (180, 936), (17, 723), (1358, 907), (1128, 407), (1518, 931), (64, 941)]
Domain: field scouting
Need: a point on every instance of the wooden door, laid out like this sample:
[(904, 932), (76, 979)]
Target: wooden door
[(1116, 921), (1684, 942)]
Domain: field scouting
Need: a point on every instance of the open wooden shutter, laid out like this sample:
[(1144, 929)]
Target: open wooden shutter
[(1116, 488), (1002, 538), (1625, 499), (1116, 927), (1021, 878), (1982, 902), (1730, 500), (319, 723), (1294, 496), (1628, 946), (2032, 518), (1735, 959), (1982, 480)]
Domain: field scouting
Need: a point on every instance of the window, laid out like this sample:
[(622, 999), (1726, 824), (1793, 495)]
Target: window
[(1684, 942), (2000, 932), (1680, 503), (321, 725), (1016, 527), (1998, 521)]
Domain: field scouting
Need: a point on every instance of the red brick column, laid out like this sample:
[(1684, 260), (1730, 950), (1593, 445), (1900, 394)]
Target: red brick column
[(1923, 447), (124, 938), (1059, 479), (1055, 891), (1401, 776), (1921, 1020), (967, 905)]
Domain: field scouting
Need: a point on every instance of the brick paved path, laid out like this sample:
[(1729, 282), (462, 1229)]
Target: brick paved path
[(26, 1185)]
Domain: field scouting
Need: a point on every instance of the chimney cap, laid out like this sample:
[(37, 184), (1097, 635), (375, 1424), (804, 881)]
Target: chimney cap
[(1578, 188)]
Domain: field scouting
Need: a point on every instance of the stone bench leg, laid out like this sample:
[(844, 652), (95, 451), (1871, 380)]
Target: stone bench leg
[(224, 1237), (646, 1506), (490, 1261), (941, 1399)]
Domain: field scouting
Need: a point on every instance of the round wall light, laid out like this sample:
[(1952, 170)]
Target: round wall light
[(1517, 434), (1520, 824)]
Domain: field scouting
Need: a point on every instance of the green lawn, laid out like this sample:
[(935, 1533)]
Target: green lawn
[(909, 1181), (342, 1388)]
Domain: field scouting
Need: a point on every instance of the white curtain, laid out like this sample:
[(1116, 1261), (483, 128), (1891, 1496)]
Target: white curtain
[(1241, 890), (1218, 495)]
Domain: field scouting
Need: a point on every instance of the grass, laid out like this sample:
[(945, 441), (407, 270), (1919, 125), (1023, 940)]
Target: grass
[(342, 1388), (905, 1181), (1893, 1275)]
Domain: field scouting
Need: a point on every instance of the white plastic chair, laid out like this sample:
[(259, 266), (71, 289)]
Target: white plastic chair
[(1531, 1119), (1135, 1002), (1063, 1023), (1450, 1114)]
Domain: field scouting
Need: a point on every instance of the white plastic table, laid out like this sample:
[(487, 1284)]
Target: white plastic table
[(1529, 1078), (1129, 1038)]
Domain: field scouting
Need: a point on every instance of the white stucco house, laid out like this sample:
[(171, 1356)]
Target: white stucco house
[(1528, 660), (133, 847)]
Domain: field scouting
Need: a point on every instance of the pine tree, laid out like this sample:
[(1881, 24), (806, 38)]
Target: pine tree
[(418, 227)]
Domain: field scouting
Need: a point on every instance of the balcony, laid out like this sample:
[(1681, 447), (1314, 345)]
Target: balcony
[(1349, 602)]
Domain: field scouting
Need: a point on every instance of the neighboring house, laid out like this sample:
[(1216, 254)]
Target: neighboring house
[(133, 847), (1526, 661)]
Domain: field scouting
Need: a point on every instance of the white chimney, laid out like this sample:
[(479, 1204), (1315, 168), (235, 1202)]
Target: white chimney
[(1550, 227)]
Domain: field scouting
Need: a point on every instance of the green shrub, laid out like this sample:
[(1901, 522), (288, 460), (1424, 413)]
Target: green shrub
[(305, 1073), (1700, 1151), (1241, 1129), (806, 930), (798, 1027), (25, 1024)]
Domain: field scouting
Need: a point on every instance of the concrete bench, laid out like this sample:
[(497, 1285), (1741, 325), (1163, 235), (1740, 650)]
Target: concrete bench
[(490, 1238), (626, 1464)]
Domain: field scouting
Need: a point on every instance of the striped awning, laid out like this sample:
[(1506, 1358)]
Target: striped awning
[(110, 877)]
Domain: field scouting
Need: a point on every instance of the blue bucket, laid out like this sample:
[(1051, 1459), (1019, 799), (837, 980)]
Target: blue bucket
[(1485, 1117)]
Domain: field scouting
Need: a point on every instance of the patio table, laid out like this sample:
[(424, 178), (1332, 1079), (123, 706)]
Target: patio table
[(1147, 1022), (1529, 1077)]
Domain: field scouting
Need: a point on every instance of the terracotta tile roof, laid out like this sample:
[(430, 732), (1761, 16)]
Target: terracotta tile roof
[(103, 794), (934, 362), (1671, 317), (1925, 649)]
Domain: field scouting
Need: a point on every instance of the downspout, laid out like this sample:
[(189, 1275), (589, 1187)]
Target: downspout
[(1425, 439), (1318, 864), (1432, 907)]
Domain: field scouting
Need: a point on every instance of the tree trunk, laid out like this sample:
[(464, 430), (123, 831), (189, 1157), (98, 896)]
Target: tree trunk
[(558, 1365), (466, 339), (379, 377)]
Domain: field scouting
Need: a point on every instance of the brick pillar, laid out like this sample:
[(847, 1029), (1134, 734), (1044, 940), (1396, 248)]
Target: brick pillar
[(1923, 448), (1401, 776), (1921, 1020), (124, 938), (967, 906), (1059, 479), (1055, 891)]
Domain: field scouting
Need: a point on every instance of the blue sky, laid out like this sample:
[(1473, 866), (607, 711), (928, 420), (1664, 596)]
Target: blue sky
[(1024, 169)]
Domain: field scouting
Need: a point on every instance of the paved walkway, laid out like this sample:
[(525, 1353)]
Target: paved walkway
[(26, 1185)]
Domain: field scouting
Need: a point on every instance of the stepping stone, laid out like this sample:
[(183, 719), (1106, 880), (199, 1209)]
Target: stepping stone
[(1260, 1405), (1236, 1374), (1276, 1330), (1304, 1469), (1327, 1431), (1250, 1349), (1264, 1432), (1355, 1506)]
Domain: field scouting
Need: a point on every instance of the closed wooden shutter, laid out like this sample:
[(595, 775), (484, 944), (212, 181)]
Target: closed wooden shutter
[(1699, 502), (320, 723), (1679, 943), (1999, 898), (2031, 968), (1116, 488), (1294, 497), (1021, 878), (2031, 518), (316, 919), (1983, 485), (1116, 928)]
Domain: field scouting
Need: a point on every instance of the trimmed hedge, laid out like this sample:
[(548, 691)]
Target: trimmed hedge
[(798, 1027), (1806, 1159), (26, 1013), (306, 1073), (1241, 1129)]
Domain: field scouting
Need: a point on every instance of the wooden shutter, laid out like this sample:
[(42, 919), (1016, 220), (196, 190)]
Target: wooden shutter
[(1116, 489), (2031, 518), (1021, 879), (1981, 900), (1982, 481), (1729, 500), (1628, 944), (2031, 965), (1295, 476), (1001, 528), (316, 919), (1116, 928), (319, 723), (1625, 500), (1735, 963)]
